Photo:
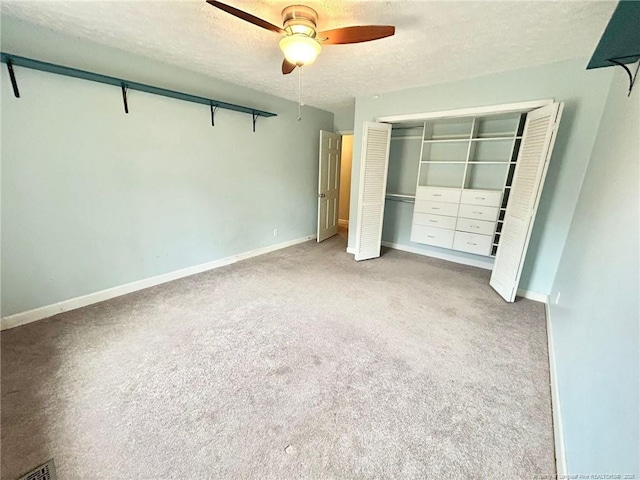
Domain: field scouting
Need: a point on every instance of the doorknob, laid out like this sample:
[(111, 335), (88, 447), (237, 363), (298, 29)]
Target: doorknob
[(321, 195)]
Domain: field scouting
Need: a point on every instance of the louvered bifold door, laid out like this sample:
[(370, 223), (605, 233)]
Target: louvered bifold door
[(531, 168), (373, 186)]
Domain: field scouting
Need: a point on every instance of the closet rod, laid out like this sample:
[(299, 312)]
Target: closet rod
[(400, 198), (15, 60)]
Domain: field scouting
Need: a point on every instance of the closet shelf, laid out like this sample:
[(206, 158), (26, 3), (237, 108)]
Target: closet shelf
[(461, 162), (407, 137), (501, 138), (456, 162), (449, 140), (497, 162), (493, 139), (451, 137)]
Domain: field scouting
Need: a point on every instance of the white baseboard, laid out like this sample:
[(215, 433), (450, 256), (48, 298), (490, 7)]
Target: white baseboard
[(558, 436), (538, 297), (343, 223), (441, 256), (49, 310)]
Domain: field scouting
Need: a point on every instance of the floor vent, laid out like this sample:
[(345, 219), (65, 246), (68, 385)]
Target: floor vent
[(46, 471)]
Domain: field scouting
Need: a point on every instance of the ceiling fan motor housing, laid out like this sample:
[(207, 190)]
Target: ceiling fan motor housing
[(300, 43), (300, 19)]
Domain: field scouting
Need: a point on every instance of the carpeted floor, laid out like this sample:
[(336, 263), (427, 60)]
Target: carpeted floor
[(297, 364)]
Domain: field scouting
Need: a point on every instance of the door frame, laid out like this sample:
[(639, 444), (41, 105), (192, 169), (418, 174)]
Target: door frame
[(342, 133), (468, 112)]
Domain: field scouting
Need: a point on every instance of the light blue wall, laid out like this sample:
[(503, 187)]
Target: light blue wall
[(584, 93), (343, 119), (595, 325), (93, 198)]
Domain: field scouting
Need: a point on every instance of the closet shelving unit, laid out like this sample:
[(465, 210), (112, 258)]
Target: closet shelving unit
[(466, 153)]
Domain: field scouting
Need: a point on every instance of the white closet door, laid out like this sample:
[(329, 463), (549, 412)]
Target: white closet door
[(537, 143), (373, 186)]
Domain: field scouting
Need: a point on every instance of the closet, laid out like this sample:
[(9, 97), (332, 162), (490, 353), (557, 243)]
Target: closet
[(464, 176), (473, 177)]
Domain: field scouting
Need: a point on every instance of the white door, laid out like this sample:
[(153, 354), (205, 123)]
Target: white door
[(533, 159), (328, 184), (373, 186)]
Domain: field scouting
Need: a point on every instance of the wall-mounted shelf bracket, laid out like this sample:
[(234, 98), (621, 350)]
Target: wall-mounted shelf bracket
[(125, 85), (619, 40), (124, 97), (12, 76), (214, 109), (632, 76)]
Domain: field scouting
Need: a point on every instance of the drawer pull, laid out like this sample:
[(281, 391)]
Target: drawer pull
[(480, 198), (476, 212), (437, 194), (474, 226), (433, 221), (471, 243), (435, 208), (431, 236)]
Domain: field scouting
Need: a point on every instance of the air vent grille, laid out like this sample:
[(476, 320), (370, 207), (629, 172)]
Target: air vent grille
[(46, 471)]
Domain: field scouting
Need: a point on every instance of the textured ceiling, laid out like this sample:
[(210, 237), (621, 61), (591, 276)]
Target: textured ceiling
[(435, 42)]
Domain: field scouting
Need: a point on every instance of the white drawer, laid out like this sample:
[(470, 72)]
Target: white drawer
[(438, 237), (478, 212), (437, 208), (490, 198), (448, 195), (431, 220), (474, 226), (473, 243)]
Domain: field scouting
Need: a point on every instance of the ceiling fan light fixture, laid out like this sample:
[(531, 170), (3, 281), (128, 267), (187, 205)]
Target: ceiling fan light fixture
[(302, 28), (299, 49)]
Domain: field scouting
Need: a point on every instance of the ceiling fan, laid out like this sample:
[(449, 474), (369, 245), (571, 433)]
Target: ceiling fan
[(300, 42)]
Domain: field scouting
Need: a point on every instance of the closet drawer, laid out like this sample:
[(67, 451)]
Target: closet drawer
[(430, 220), (438, 237), (478, 212), (473, 243), (490, 198), (437, 208), (448, 195), (474, 226)]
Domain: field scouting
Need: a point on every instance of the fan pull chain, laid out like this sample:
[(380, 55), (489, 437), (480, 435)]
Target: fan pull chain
[(300, 93)]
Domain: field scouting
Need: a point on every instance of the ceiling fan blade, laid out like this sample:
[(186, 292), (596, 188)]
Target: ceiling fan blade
[(247, 17), (287, 67), (362, 33)]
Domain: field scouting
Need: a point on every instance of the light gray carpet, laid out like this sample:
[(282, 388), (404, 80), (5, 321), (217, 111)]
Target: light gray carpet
[(298, 364)]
